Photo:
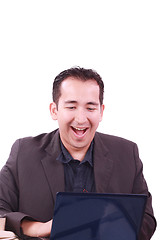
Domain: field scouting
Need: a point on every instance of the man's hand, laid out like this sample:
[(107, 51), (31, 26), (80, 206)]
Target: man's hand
[(36, 229)]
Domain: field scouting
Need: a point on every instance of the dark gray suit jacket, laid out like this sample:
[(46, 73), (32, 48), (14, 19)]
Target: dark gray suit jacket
[(31, 177)]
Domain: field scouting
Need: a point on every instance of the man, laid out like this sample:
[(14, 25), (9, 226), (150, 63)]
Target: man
[(73, 158)]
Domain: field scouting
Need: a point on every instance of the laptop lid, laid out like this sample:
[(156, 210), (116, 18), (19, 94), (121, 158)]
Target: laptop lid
[(96, 216)]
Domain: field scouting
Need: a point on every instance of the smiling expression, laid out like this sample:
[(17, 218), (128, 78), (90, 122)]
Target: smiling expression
[(78, 113)]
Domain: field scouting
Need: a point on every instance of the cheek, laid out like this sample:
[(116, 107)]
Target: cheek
[(65, 117), (95, 120)]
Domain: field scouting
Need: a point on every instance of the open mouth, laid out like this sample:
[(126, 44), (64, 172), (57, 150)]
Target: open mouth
[(79, 131)]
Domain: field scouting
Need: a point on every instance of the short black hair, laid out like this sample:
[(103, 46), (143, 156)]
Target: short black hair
[(81, 74)]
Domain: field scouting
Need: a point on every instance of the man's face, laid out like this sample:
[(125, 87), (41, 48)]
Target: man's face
[(78, 113)]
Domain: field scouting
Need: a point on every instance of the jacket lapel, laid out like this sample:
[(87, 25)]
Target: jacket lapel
[(103, 164), (53, 169)]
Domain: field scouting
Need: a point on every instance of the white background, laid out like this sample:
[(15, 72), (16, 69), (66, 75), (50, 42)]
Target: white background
[(119, 39)]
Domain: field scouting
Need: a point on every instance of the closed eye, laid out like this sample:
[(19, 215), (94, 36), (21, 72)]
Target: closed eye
[(71, 108), (91, 109)]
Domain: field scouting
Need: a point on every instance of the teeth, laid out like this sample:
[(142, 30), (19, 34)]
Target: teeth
[(79, 129)]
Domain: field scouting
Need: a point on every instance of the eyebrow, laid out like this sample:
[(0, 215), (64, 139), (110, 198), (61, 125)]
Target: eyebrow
[(88, 103), (70, 101), (93, 103)]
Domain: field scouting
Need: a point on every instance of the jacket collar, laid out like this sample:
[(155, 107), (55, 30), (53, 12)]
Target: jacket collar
[(103, 164), (54, 169)]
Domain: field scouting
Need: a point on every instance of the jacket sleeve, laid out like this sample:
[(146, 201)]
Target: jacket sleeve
[(140, 186), (9, 192)]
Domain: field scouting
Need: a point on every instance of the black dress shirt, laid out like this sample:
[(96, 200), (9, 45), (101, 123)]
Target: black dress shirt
[(79, 176)]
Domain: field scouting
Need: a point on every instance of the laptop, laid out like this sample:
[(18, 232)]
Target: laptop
[(96, 216)]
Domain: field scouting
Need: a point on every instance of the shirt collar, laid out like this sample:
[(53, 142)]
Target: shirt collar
[(65, 156)]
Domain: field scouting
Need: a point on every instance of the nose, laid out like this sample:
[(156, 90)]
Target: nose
[(80, 116)]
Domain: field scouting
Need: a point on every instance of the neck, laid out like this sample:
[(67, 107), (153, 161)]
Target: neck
[(77, 153)]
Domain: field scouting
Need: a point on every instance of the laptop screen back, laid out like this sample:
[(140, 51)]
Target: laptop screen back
[(93, 216)]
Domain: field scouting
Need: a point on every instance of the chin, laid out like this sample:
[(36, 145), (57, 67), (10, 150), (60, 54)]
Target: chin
[(81, 145)]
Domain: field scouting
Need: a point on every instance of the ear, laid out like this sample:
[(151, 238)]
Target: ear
[(53, 110), (102, 109)]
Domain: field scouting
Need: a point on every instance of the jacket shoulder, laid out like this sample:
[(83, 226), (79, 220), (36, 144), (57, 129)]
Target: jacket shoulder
[(41, 140), (111, 140)]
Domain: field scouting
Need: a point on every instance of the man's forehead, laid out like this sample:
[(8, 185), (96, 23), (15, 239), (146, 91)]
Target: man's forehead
[(73, 92), (71, 83)]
